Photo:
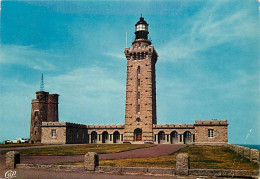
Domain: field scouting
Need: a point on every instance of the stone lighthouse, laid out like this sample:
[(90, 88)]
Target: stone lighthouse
[(140, 107)]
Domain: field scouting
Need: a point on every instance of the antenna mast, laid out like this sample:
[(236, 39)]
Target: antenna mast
[(42, 84), (126, 40)]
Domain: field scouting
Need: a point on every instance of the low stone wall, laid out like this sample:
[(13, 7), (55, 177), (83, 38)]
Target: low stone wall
[(251, 154), (223, 173), (51, 167), (91, 163)]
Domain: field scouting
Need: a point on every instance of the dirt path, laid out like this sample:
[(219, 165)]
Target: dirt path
[(158, 150)]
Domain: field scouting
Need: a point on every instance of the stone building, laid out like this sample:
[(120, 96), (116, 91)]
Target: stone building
[(140, 110), (44, 109)]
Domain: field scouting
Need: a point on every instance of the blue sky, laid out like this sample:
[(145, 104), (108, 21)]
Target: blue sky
[(208, 65)]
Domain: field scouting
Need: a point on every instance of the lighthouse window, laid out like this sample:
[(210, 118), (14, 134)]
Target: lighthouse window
[(140, 27), (36, 113), (138, 70), (138, 108), (138, 95), (138, 82)]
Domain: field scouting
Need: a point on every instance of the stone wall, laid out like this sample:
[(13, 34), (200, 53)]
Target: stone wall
[(140, 106), (91, 163), (73, 133), (251, 154)]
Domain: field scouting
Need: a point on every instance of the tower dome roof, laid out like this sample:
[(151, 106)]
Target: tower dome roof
[(141, 21)]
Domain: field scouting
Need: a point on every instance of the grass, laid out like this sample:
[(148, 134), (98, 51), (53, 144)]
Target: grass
[(204, 157), (18, 145), (201, 157), (80, 149)]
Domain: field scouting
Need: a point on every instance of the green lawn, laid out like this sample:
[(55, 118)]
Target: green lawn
[(18, 145), (80, 149), (204, 157)]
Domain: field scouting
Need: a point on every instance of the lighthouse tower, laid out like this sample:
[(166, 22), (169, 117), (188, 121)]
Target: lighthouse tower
[(140, 107)]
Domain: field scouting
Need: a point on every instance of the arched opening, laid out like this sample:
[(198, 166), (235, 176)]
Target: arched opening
[(104, 137), (161, 137), (187, 137), (174, 137), (116, 137), (94, 137), (138, 134)]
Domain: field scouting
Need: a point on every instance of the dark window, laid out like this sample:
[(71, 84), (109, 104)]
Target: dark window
[(36, 113), (138, 120), (138, 108), (138, 70), (210, 133), (35, 124), (53, 133), (138, 82)]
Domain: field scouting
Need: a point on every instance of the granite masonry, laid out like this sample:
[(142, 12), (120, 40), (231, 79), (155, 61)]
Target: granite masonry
[(140, 124)]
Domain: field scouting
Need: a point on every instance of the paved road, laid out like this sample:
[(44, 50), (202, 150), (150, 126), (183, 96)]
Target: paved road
[(158, 150)]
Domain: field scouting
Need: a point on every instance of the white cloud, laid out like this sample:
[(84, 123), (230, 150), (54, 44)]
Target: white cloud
[(90, 93), (27, 56), (208, 28), (116, 55)]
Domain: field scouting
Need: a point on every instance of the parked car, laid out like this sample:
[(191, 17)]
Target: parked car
[(7, 142), (23, 140), (17, 141)]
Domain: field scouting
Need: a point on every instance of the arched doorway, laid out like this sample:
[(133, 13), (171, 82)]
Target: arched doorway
[(187, 137), (94, 137), (161, 137), (104, 137), (116, 137), (138, 134), (174, 137)]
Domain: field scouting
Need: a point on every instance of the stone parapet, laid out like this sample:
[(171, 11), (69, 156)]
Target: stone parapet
[(173, 126), (62, 124), (105, 126), (210, 122)]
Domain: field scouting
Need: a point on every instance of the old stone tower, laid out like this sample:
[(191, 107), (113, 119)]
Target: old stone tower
[(140, 107), (44, 109)]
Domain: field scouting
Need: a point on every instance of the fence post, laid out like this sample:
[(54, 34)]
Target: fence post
[(11, 159), (182, 164), (91, 161)]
